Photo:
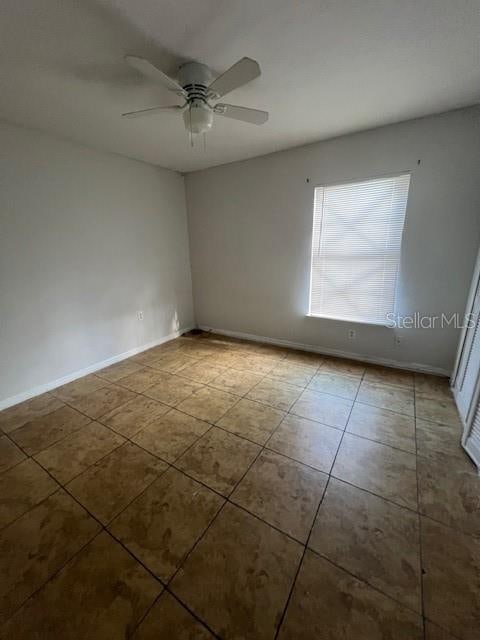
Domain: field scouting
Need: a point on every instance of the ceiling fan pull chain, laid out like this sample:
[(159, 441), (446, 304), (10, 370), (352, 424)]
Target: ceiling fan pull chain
[(190, 118)]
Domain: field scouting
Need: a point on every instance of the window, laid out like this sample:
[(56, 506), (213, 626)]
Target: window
[(357, 235)]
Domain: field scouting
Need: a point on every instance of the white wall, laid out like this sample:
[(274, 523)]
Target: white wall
[(86, 240), (250, 233)]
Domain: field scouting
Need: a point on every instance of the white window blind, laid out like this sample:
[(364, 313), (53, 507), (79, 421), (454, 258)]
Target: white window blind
[(357, 235)]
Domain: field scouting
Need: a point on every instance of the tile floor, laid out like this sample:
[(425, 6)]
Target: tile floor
[(212, 488)]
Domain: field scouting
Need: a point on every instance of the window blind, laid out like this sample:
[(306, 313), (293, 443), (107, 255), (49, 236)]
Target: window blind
[(357, 235)]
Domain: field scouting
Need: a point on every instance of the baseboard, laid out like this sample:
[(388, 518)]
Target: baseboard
[(36, 391), (410, 366)]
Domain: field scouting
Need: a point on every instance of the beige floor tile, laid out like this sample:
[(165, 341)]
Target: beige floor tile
[(384, 426), (282, 492), (435, 410), (151, 356), (172, 389), (102, 401), (226, 342), (226, 359), (252, 420), (323, 407), (329, 603), (203, 372), (171, 346), (195, 349), (111, 484), (389, 375), (168, 619), (173, 362), (256, 363), (291, 373), (165, 348), (246, 570), (236, 567), (433, 632), (385, 471), (343, 366), (164, 523), (237, 382), (21, 488), (219, 460), (78, 388), (336, 384), (119, 370), (141, 380), (16, 416), (170, 435), (449, 491), (307, 442), (134, 416), (371, 538), (101, 593), (72, 455), (436, 440), (434, 387), (276, 394), (10, 454), (208, 404), (266, 350), (387, 397), (305, 359), (39, 543), (44, 431), (450, 582)]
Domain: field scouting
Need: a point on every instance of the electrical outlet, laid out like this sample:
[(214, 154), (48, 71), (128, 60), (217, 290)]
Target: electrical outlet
[(140, 315), (352, 334)]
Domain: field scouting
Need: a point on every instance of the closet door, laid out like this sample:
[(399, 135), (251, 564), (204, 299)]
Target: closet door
[(472, 441), (468, 372), (466, 377)]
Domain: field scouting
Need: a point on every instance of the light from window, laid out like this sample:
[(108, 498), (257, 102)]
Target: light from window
[(357, 235)]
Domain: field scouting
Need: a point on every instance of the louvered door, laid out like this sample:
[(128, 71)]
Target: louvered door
[(466, 378)]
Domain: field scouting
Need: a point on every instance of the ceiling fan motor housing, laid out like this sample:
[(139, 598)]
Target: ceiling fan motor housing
[(195, 78)]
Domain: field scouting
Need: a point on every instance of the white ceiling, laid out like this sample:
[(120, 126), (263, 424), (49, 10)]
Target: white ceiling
[(328, 67)]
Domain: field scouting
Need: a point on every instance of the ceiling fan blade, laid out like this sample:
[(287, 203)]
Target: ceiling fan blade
[(253, 116), (147, 112), (153, 73), (242, 72)]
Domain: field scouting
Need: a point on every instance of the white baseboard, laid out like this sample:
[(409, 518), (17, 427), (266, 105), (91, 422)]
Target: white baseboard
[(38, 390), (410, 366)]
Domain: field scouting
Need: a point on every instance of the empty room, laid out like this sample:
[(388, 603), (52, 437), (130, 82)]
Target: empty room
[(239, 320)]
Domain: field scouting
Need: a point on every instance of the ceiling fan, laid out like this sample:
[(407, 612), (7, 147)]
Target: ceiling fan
[(196, 87)]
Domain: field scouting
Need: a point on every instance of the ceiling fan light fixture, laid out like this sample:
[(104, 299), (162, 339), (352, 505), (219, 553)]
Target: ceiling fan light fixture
[(198, 118)]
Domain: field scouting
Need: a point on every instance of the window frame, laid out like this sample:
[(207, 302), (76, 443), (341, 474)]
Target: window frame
[(339, 183)]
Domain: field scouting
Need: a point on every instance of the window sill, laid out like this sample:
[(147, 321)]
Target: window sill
[(351, 321)]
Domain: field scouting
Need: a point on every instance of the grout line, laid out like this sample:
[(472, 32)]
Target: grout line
[(53, 576), (420, 539), (362, 579), (294, 582), (261, 449)]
